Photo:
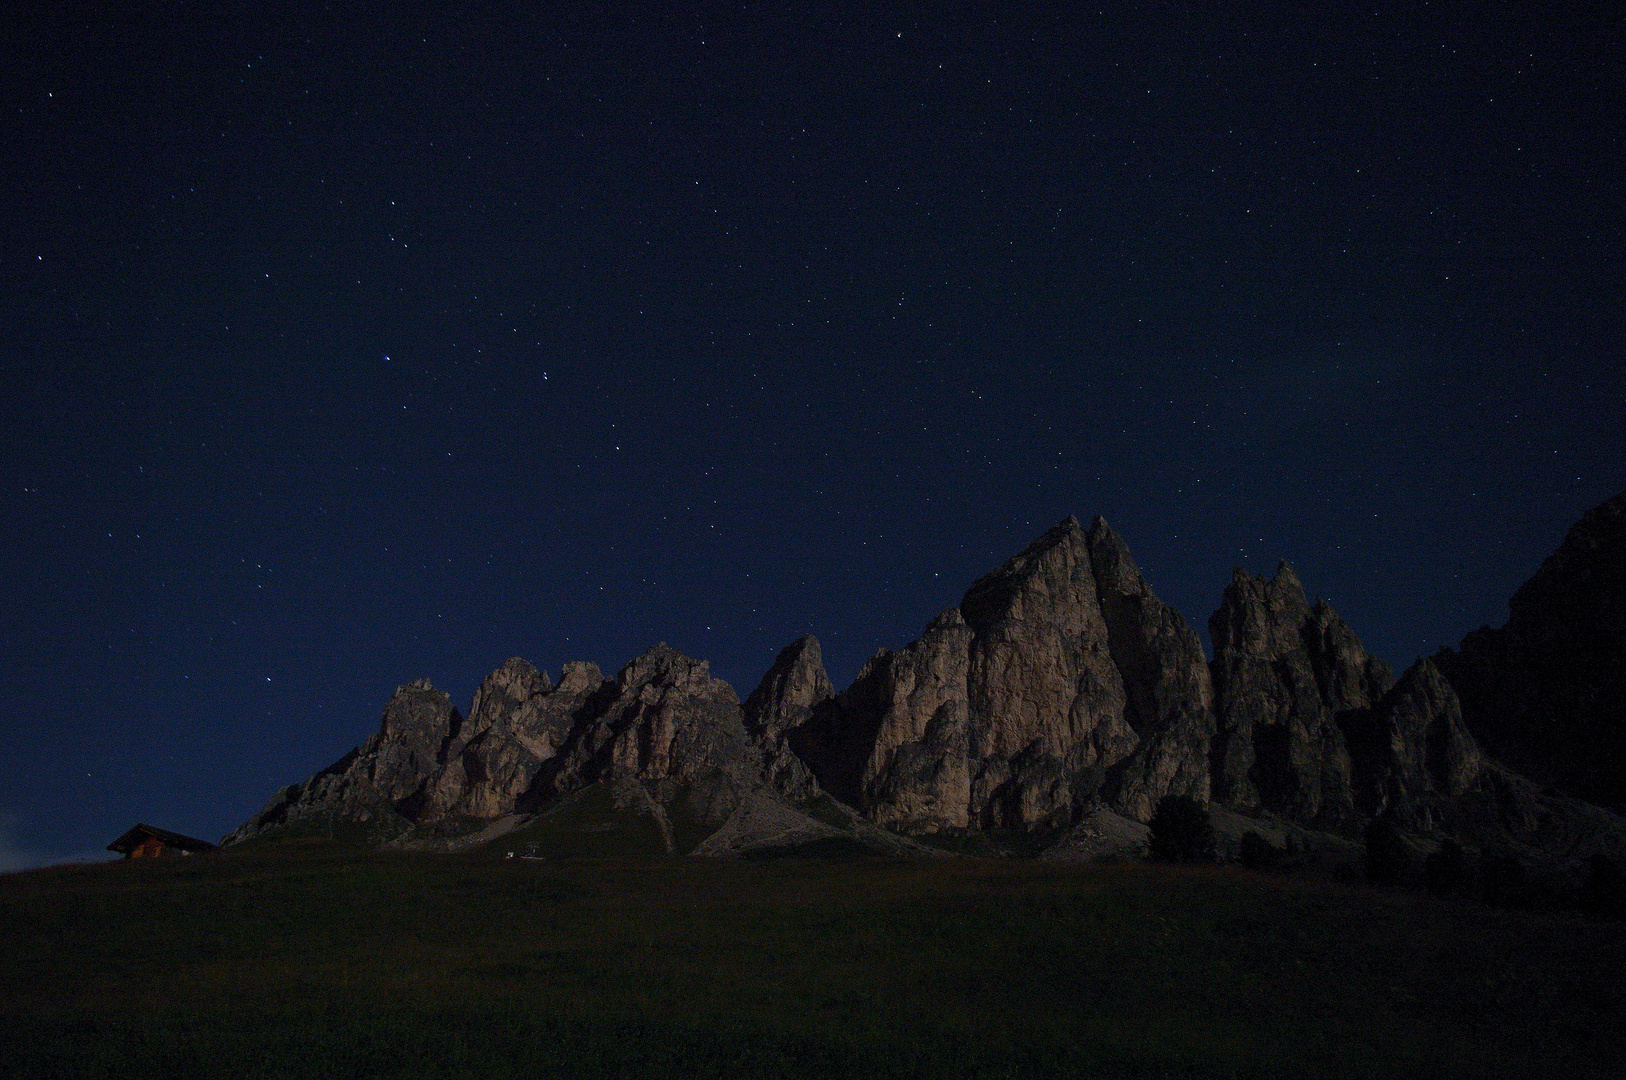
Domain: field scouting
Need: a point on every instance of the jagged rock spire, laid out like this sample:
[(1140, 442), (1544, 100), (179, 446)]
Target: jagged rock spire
[(1283, 672)]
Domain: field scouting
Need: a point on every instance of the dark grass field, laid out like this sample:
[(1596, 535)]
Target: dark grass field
[(314, 960)]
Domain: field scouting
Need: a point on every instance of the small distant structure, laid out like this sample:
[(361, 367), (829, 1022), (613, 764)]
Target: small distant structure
[(146, 842)]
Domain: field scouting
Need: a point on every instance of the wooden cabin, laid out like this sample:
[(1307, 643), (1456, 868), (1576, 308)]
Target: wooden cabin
[(145, 842)]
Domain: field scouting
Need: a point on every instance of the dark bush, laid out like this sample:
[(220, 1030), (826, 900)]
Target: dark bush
[(1605, 888), (1388, 859), (1257, 853), (1182, 830), (1503, 880), (1446, 870), (1346, 873)]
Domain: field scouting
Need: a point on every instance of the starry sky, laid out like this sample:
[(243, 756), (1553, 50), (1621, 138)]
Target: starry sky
[(342, 345)]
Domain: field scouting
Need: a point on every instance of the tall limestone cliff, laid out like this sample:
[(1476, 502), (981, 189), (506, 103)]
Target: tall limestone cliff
[(1168, 694), (1061, 687), (380, 788), (1546, 693), (517, 723), (667, 719), (1411, 753), (1283, 674), (1059, 680), (1046, 701), (794, 687), (664, 720), (894, 744)]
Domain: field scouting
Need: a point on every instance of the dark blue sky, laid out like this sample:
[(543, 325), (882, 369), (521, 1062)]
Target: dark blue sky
[(343, 348)]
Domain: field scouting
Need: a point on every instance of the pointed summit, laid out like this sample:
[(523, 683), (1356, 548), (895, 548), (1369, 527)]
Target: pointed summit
[(788, 695), (666, 718), (1114, 566), (1282, 675), (1168, 694), (379, 789), (518, 722), (789, 690)]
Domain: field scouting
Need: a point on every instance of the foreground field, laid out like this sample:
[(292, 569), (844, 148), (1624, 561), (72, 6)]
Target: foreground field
[(315, 960)]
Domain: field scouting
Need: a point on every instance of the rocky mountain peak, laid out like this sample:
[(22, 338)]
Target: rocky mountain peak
[(379, 788), (1547, 691), (517, 723), (1260, 614), (1045, 574), (786, 699), (1282, 675), (1411, 753), (787, 694), (518, 679), (666, 719), (665, 667), (1039, 650), (1114, 567), (580, 677), (1346, 675), (418, 725), (1060, 686), (1167, 687)]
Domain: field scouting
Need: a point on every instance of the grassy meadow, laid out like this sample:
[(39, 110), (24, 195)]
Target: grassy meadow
[(312, 959)]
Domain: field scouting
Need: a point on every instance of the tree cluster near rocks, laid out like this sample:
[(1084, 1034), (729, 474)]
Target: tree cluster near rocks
[(1182, 830)]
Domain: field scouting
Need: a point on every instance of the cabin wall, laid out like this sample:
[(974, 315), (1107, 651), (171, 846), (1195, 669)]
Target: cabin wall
[(150, 848)]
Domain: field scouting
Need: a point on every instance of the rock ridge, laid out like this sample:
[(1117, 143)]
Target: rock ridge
[(1058, 690)]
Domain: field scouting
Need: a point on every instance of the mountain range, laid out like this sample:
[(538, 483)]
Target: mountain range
[(1049, 712)]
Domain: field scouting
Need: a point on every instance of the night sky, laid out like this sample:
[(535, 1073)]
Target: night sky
[(343, 346)]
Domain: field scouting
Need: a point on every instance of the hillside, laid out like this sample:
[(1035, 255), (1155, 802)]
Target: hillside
[(315, 959)]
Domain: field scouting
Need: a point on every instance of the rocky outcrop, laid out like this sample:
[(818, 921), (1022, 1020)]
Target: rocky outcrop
[(1546, 693), (1060, 691), (1411, 753), (1046, 701), (666, 719), (1283, 672), (378, 789), (794, 687), (1168, 695), (895, 743), (664, 722), (1060, 679), (518, 722)]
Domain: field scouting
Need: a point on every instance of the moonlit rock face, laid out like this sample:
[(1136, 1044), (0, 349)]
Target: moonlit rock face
[(383, 783), (916, 773), (1412, 753), (1060, 679), (417, 724), (1061, 687), (667, 720), (518, 721), (1169, 700), (794, 688), (790, 690), (1046, 700), (1283, 674)]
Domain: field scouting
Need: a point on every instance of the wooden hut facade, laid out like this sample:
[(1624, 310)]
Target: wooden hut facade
[(145, 842)]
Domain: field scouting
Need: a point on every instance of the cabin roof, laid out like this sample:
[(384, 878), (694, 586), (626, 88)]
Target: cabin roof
[(132, 839)]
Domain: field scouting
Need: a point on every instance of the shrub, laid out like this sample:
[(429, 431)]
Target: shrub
[(1182, 830), (1446, 870), (1605, 888), (1388, 859), (1257, 853), (1502, 877)]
